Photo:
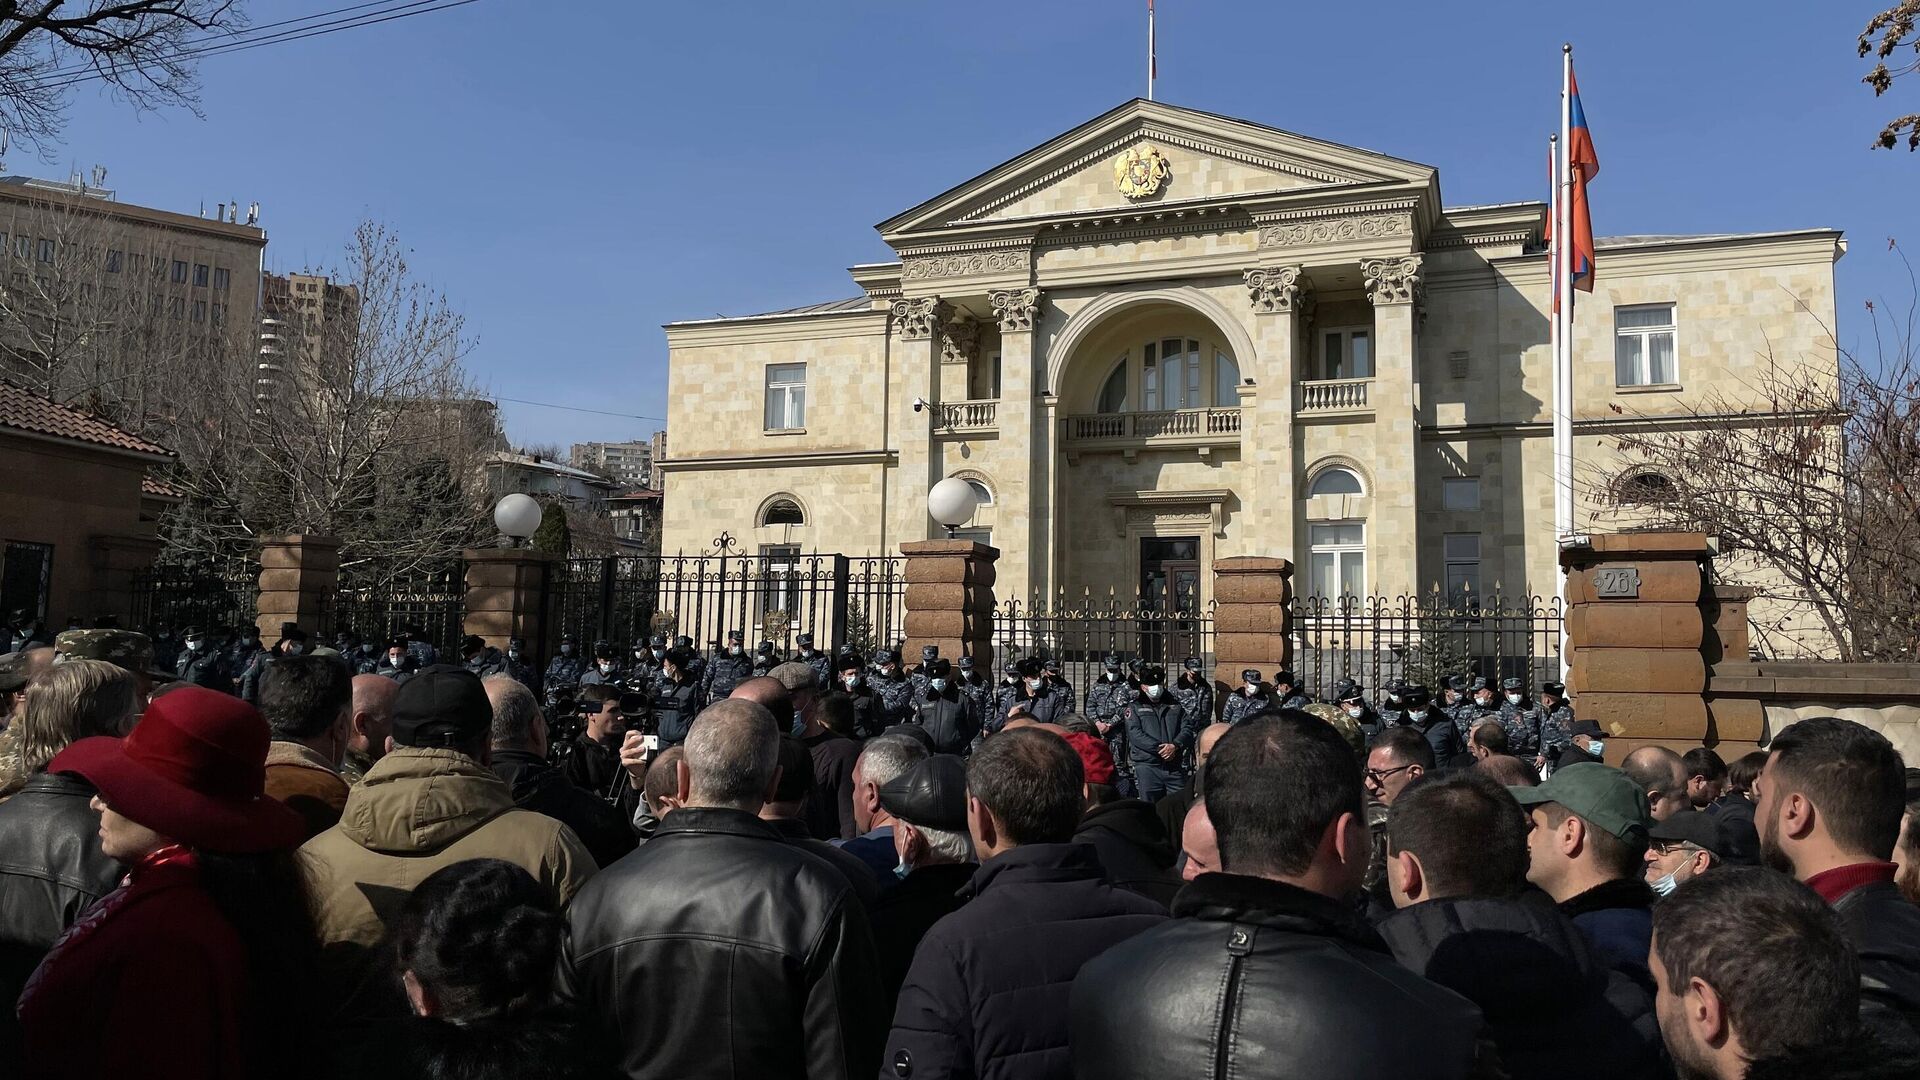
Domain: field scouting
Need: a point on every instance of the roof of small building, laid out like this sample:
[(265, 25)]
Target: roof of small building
[(831, 307), (23, 410), (158, 489)]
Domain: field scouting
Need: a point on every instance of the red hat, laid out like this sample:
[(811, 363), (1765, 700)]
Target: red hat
[(1095, 758), (193, 770)]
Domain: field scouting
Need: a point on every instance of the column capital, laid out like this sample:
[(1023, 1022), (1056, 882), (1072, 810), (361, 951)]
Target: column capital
[(916, 318), (1016, 309), (959, 340), (1396, 280), (1279, 290)]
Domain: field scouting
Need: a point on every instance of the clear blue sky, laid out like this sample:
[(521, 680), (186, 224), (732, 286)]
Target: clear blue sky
[(574, 182)]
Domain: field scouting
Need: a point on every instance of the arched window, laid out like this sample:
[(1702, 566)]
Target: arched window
[(1646, 488), (981, 493), (1226, 380), (1338, 480), (1113, 396), (783, 512)]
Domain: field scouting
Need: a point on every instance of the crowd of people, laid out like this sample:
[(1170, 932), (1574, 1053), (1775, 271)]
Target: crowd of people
[(751, 869)]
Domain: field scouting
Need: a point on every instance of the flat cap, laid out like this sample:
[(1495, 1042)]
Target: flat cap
[(932, 794)]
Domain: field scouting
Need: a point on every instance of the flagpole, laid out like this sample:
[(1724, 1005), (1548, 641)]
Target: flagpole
[(1152, 64), (1563, 509)]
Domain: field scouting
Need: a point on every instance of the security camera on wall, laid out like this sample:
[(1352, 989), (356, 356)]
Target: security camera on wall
[(919, 404)]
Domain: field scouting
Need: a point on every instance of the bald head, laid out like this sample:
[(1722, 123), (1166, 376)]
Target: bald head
[(733, 756), (1208, 736), (1198, 842), (1662, 774), (372, 715), (771, 694)]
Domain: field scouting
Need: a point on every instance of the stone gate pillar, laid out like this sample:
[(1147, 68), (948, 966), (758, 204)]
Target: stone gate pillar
[(1252, 596), (507, 596), (1635, 628), (298, 577), (950, 599)]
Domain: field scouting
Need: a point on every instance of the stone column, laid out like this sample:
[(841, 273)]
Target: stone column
[(1393, 560), (116, 560), (507, 596), (298, 577), (950, 598), (1251, 618), (1635, 628), (959, 346), (1281, 301), (915, 326), (1022, 422)]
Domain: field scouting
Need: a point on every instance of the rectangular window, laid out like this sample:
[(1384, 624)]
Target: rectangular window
[(786, 397), (222, 277), (1462, 553), (1643, 346), (1347, 352), (3, 243), (199, 311), (177, 306), (200, 275), (1339, 559), (219, 314), (26, 577), (779, 579), (1460, 493), (113, 262), (179, 272), (46, 250)]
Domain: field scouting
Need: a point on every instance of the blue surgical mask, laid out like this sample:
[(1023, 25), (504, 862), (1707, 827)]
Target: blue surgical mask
[(566, 650), (937, 684), (1596, 746), (901, 870), (1665, 886), (1153, 692)]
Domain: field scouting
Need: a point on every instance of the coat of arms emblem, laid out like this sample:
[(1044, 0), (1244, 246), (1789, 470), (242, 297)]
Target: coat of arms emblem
[(1140, 172)]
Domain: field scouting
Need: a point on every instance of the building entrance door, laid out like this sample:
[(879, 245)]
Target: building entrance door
[(1169, 599)]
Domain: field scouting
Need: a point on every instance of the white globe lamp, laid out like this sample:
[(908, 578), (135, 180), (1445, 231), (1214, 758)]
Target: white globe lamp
[(952, 503), (517, 517)]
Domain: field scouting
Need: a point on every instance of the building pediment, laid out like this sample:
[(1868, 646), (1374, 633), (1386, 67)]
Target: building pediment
[(1148, 155)]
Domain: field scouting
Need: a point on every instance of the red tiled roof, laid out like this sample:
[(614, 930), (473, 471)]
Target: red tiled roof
[(24, 410), (150, 486)]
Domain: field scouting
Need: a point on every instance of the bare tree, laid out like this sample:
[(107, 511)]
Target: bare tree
[(140, 49), (1810, 479), (1889, 32)]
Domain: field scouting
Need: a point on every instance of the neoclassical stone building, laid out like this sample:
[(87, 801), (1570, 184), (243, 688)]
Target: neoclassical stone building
[(1167, 337)]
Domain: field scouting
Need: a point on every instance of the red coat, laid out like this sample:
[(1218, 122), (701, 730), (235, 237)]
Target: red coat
[(150, 982)]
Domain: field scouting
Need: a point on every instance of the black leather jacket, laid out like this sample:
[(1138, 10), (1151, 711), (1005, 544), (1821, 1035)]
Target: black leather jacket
[(1885, 931), (720, 950), (51, 869), (1258, 978), (950, 719)]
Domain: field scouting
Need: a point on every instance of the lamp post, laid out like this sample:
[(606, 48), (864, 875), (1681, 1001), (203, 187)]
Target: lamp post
[(952, 503), (517, 516)]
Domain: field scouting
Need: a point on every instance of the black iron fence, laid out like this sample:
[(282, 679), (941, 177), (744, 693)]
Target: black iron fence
[(1081, 632), (842, 600), (209, 595), (379, 598), (1376, 639)]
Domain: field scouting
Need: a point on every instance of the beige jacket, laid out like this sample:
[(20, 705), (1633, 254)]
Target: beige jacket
[(419, 810)]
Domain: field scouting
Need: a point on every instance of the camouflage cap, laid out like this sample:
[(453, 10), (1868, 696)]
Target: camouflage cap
[(13, 672), (1347, 726), (128, 649)]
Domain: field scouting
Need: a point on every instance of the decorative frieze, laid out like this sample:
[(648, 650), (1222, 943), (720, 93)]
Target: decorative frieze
[(928, 267), (916, 318), (959, 340), (1016, 309), (1277, 290), (1392, 281), (1335, 230)]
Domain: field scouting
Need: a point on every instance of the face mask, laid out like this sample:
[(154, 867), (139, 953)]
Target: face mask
[(1596, 746), (1111, 676), (1418, 716), (1513, 699), (901, 870), (659, 654), (396, 661), (606, 669), (1009, 680), (1252, 689), (937, 684), (1356, 711), (566, 650), (1483, 702), (886, 672), (1153, 692), (806, 652), (513, 654), (639, 654), (734, 651), (195, 645), (851, 678), (1034, 684), (294, 648), (1395, 698), (1665, 886)]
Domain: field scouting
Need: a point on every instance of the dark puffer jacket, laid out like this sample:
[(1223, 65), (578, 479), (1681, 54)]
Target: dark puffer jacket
[(1885, 931), (1553, 1010), (1617, 917), (987, 993), (1133, 847), (1259, 978)]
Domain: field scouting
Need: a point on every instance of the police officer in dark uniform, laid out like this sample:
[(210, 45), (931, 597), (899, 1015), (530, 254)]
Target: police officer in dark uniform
[(1351, 698), (820, 662), (518, 665), (1032, 697), (1005, 692), (677, 698), (851, 679), (481, 658), (1557, 730), (975, 686), (1160, 733), (729, 667), (1393, 706), (606, 666), (563, 671), (1254, 696), (894, 689), (1523, 718), (699, 669), (1287, 693), (917, 675), (1430, 720), (1058, 686), (245, 648), (950, 717), (1456, 700), (398, 662), (1195, 692), (166, 649), (1107, 703), (201, 664)]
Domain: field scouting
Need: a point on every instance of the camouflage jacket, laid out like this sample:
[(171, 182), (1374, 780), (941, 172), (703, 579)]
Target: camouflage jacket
[(1468, 713), (724, 672), (1524, 723), (1107, 698), (1241, 705), (980, 691), (488, 661), (207, 668), (822, 666), (1556, 731), (1062, 689), (1197, 699), (896, 699)]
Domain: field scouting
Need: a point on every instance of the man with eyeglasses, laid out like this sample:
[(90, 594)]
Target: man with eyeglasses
[(1682, 848), (1398, 757)]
